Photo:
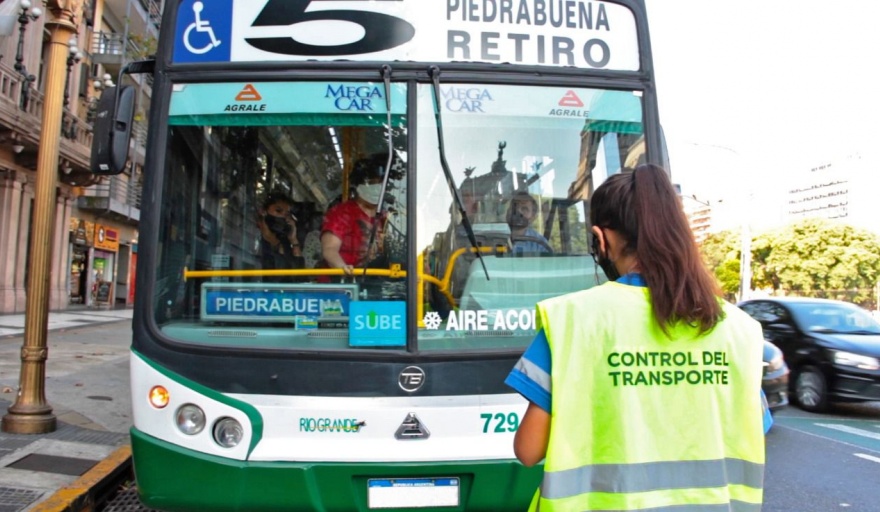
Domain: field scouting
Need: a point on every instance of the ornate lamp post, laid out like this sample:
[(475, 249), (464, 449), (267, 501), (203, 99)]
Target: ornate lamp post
[(26, 15), (105, 81), (74, 58), (69, 125), (31, 414)]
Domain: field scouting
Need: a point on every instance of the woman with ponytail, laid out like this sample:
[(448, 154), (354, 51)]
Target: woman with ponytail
[(644, 393)]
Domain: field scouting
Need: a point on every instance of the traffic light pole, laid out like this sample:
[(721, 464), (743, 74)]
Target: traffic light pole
[(31, 413)]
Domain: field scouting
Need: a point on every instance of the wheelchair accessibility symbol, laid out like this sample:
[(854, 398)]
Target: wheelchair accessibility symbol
[(201, 26)]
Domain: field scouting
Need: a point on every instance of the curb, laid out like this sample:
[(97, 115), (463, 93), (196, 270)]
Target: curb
[(91, 488)]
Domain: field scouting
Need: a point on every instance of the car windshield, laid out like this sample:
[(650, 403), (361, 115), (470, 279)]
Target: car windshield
[(834, 317)]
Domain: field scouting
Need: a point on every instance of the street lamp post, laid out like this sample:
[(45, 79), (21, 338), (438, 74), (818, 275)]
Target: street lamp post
[(31, 414), (68, 128), (106, 81), (74, 58), (745, 284), (26, 15)]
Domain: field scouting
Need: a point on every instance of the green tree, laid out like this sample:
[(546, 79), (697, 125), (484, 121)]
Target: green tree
[(721, 252), (818, 258)]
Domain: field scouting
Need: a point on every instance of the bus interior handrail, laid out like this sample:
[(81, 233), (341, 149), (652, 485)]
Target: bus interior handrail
[(395, 272)]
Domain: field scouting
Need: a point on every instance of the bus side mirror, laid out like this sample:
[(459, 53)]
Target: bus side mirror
[(112, 130)]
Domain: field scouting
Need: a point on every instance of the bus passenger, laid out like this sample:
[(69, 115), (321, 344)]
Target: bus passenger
[(645, 391), (279, 246), (520, 213), (348, 226)]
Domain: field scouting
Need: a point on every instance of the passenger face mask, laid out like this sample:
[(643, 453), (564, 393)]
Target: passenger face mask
[(603, 261), (370, 193), (278, 226)]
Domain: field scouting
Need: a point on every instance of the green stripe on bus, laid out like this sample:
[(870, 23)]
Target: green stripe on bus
[(170, 477), (249, 410)]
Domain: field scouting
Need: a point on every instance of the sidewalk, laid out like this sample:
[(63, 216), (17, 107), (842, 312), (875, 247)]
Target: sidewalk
[(87, 387), (13, 325)]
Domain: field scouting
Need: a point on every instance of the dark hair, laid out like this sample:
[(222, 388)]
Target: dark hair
[(644, 209), (520, 197), (371, 167), (277, 197)]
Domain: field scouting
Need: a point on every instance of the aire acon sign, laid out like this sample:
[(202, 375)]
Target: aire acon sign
[(574, 33)]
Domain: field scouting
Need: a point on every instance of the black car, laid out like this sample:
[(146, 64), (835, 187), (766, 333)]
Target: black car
[(775, 380), (832, 348)]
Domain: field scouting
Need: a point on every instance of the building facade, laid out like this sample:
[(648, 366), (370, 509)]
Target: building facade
[(843, 189), (95, 231)]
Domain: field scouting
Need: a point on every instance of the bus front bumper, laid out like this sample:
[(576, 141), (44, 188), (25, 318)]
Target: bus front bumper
[(173, 478)]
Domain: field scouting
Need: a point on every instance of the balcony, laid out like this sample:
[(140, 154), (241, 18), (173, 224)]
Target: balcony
[(116, 197), (137, 42), (112, 50), (21, 119)]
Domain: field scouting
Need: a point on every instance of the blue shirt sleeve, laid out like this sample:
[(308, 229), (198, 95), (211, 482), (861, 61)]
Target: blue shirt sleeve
[(768, 418), (531, 375)]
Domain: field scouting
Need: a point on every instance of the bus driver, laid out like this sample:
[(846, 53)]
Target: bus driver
[(520, 214)]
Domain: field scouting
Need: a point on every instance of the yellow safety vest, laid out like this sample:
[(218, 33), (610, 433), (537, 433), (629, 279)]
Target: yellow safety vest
[(642, 421)]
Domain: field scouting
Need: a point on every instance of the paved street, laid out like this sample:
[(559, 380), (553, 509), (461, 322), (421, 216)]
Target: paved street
[(87, 387), (86, 374)]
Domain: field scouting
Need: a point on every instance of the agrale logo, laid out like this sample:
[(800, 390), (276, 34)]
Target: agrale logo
[(248, 94)]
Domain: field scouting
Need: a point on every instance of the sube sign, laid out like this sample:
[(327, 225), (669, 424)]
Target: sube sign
[(377, 323)]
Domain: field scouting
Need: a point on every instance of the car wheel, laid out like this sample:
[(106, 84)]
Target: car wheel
[(810, 390)]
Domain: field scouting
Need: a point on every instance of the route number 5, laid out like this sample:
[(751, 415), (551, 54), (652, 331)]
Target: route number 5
[(381, 31)]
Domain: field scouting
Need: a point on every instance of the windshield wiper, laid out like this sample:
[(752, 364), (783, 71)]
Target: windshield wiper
[(386, 78), (863, 332), (434, 71)]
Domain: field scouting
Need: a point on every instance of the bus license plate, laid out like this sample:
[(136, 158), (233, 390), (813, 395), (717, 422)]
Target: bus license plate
[(413, 492)]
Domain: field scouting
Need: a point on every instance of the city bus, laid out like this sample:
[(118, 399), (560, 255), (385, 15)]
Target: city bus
[(311, 387)]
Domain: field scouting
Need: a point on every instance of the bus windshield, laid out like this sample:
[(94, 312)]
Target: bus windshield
[(524, 160)]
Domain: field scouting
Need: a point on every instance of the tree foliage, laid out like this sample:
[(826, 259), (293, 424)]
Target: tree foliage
[(818, 258), (810, 258), (721, 252)]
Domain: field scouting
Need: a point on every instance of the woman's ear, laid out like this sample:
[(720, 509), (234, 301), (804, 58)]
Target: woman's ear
[(599, 242)]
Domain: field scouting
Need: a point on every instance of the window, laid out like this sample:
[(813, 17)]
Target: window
[(255, 176)]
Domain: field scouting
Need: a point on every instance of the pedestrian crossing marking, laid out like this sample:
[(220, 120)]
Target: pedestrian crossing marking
[(850, 430)]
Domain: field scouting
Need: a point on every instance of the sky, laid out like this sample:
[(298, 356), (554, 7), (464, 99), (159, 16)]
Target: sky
[(764, 90)]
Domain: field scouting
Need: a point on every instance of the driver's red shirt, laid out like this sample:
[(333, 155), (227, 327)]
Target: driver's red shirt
[(352, 225)]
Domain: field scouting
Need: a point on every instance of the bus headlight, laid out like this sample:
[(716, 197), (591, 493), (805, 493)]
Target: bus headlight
[(190, 419), (228, 432), (159, 397)]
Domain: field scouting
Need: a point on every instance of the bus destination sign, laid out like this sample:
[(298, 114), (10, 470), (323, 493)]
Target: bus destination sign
[(269, 303), (572, 33)]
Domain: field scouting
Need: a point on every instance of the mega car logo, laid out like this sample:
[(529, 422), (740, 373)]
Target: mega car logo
[(411, 379), (461, 99), (353, 97)]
